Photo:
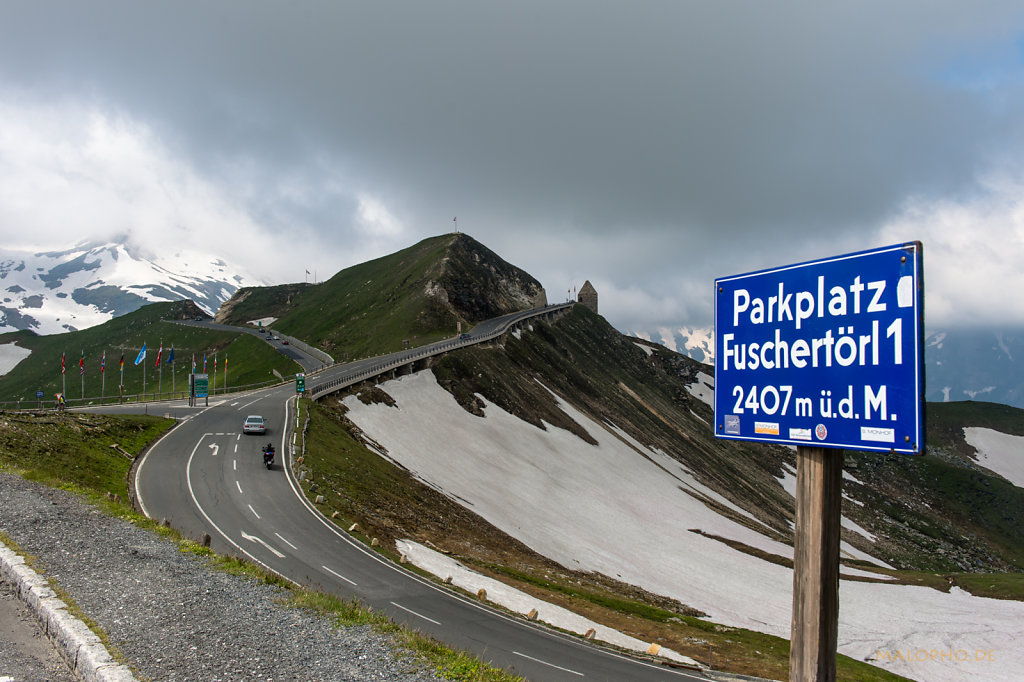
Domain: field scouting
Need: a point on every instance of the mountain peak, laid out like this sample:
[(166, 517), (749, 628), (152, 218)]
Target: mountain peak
[(50, 292)]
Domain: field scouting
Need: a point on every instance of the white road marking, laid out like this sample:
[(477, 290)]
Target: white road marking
[(239, 487), (420, 615), (215, 448), (253, 538), (550, 665), (257, 515), (234, 465), (236, 447), (247, 404), (338, 575), (285, 541)]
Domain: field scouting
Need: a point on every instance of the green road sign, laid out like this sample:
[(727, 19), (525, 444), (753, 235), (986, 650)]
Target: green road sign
[(200, 385), (300, 383)]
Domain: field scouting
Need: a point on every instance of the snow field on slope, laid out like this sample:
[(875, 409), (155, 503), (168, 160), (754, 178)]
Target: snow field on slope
[(999, 452), (609, 508), (10, 355)]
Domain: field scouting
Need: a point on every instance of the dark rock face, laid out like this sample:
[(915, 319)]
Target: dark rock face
[(480, 285)]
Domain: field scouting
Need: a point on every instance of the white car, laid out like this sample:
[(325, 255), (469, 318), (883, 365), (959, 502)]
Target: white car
[(254, 423)]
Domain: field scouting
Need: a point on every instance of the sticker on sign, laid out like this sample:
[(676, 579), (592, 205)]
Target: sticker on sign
[(826, 353)]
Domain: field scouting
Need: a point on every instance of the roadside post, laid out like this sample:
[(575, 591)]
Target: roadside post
[(825, 355)]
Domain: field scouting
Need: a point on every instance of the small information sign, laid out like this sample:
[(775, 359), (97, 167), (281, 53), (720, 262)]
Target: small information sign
[(200, 385), (827, 353)]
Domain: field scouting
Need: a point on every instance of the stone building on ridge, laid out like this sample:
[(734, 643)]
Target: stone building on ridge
[(588, 296)]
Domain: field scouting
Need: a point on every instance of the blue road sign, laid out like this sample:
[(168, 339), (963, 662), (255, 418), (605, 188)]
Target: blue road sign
[(828, 353)]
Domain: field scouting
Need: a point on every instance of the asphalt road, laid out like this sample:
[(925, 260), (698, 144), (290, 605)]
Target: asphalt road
[(205, 476)]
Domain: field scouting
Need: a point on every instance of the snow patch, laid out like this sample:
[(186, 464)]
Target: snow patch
[(851, 525), (999, 452), (520, 602), (262, 322), (10, 355), (703, 389), (645, 349)]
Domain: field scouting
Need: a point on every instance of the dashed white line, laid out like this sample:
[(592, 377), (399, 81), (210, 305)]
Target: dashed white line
[(419, 615), (279, 537), (338, 575), (239, 487), (550, 665), (258, 516)]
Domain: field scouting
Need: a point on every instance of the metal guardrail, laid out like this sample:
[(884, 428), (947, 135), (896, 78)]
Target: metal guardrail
[(401, 358)]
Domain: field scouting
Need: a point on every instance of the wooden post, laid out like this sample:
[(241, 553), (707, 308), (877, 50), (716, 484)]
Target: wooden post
[(819, 489)]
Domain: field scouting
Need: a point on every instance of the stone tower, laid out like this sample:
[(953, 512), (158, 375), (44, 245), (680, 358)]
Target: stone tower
[(588, 296)]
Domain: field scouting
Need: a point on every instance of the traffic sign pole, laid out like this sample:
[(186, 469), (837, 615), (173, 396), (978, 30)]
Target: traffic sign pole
[(815, 625)]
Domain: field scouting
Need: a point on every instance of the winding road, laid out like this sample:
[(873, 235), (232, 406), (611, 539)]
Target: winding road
[(206, 477)]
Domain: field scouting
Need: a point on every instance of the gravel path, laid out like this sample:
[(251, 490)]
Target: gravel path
[(172, 617)]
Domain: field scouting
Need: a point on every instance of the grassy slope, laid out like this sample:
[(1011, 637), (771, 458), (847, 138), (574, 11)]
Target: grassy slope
[(364, 310), (74, 449), (414, 296), (250, 360)]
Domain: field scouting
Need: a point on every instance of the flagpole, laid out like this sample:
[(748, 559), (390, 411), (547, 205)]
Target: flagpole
[(103, 376)]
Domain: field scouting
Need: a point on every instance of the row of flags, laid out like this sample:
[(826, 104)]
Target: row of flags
[(139, 359)]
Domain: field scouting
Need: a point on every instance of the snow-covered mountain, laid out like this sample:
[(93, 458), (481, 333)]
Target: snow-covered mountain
[(975, 364), (696, 342), (59, 291)]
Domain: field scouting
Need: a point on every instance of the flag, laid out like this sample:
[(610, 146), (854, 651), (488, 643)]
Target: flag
[(204, 363), (103, 363), (142, 354), (307, 272), (81, 364), (193, 363), (62, 369), (455, 219), (159, 353), (122, 362), (170, 356)]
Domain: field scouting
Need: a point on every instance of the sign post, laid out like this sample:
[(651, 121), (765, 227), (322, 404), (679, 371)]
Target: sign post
[(199, 387), (823, 355)]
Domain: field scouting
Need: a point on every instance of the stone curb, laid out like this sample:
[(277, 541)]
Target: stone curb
[(72, 638)]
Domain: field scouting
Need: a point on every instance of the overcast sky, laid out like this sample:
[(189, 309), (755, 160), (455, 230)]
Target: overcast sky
[(647, 146)]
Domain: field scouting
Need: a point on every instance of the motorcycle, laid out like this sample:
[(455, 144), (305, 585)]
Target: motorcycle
[(268, 455)]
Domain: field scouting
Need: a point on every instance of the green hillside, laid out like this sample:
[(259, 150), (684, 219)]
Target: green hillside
[(250, 360), (415, 296)]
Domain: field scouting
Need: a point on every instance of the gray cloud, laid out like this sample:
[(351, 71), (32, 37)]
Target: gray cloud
[(646, 146)]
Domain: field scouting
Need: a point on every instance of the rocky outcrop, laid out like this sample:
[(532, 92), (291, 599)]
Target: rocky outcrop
[(478, 284)]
